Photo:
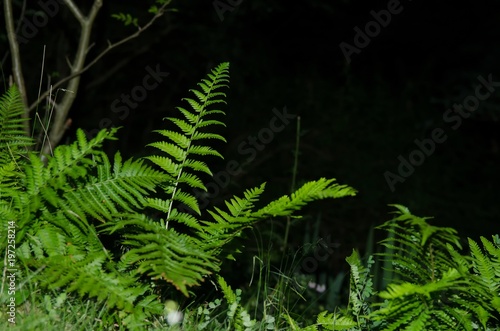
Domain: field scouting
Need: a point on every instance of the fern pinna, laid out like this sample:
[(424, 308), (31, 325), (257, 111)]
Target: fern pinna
[(65, 207)]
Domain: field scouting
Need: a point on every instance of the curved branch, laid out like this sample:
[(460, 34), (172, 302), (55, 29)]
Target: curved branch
[(111, 46), (58, 126)]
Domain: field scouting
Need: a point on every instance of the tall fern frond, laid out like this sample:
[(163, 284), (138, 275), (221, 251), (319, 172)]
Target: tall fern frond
[(184, 260), (183, 147), (310, 191)]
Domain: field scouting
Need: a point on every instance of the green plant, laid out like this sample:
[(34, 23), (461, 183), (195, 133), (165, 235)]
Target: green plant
[(435, 288), (63, 211)]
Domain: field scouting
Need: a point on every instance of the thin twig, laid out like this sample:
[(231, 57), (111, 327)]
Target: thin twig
[(17, 70), (111, 46)]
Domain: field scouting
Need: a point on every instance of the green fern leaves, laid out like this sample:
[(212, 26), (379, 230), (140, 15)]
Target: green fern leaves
[(436, 287), (13, 139), (66, 208), (183, 148)]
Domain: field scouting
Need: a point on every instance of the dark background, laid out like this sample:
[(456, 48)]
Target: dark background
[(356, 118)]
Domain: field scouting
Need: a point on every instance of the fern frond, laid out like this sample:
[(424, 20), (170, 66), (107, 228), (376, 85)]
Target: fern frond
[(436, 289), (164, 253), (311, 191), (484, 268), (226, 290), (331, 321), (361, 288), (13, 139), (89, 277), (183, 147)]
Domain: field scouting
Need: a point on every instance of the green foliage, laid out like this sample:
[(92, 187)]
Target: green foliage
[(421, 259), (361, 286), (64, 209), (436, 287)]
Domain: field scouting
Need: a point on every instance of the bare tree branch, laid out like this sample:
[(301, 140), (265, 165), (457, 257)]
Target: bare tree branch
[(59, 125), (61, 110), (111, 46), (21, 15), (16, 59)]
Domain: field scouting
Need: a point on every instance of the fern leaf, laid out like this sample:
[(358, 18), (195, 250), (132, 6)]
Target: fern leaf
[(334, 322), (181, 160)]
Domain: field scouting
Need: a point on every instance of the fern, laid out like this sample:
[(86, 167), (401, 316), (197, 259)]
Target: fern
[(179, 162), (63, 209), (361, 290), (436, 290), (437, 287), (13, 140), (152, 249), (54, 206), (14, 146)]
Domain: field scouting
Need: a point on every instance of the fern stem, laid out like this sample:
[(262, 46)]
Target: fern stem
[(294, 177)]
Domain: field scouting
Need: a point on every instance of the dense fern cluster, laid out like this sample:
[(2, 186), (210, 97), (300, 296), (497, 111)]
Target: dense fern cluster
[(433, 287), (64, 207)]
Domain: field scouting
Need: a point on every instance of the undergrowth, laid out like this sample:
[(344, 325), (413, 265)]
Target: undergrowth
[(63, 272)]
